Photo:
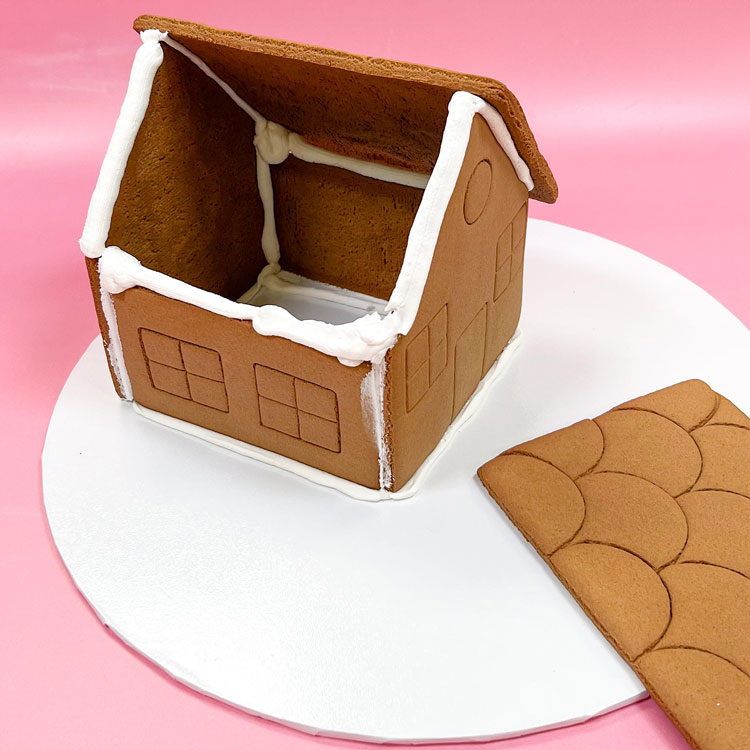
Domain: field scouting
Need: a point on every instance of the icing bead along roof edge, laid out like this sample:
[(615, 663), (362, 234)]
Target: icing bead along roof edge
[(366, 339)]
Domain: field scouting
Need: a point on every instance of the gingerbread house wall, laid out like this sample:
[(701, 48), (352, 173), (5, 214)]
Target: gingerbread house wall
[(219, 373), (186, 349), (351, 100), (340, 227), (188, 204), (469, 310)]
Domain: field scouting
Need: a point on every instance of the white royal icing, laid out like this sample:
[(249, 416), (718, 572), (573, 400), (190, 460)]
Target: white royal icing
[(364, 339), (347, 487)]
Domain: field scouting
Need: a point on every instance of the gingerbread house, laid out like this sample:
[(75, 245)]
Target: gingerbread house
[(306, 251)]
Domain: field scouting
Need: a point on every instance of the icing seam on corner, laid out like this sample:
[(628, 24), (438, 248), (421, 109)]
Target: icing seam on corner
[(148, 59), (373, 386), (114, 347), (384, 452), (274, 143)]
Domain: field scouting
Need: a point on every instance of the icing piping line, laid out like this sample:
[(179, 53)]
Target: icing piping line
[(114, 348), (269, 239), (365, 339), (147, 60), (293, 284), (427, 224), (120, 271), (228, 90), (369, 337), (353, 490), (274, 143), (305, 151), (376, 397)]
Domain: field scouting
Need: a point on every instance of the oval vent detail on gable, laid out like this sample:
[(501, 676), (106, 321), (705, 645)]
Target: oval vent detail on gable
[(477, 191)]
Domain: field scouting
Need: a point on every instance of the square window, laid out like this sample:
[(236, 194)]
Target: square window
[(438, 360), (519, 225), (314, 399), (169, 379), (502, 278), (504, 246), (162, 349), (279, 417), (199, 360), (185, 370), (416, 353), (308, 411), (417, 386), (320, 432), (439, 328), (208, 392), (275, 385), (426, 357)]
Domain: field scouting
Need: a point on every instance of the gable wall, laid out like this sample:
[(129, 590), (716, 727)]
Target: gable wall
[(470, 307)]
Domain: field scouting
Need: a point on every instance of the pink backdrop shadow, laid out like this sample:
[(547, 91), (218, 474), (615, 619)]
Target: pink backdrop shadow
[(641, 109)]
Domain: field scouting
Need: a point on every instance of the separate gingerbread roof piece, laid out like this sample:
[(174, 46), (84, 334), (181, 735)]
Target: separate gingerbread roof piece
[(368, 108), (643, 513)]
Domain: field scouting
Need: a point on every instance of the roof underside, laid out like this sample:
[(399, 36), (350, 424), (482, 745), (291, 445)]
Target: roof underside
[(373, 109)]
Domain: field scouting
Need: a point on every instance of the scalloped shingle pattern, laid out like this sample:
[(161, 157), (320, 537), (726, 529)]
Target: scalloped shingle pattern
[(643, 513)]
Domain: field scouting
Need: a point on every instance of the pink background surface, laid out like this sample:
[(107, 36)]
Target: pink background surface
[(642, 110)]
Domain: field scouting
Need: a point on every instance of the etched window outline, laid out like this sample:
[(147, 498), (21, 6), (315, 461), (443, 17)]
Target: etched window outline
[(194, 375), (426, 357), (509, 251), (301, 421)]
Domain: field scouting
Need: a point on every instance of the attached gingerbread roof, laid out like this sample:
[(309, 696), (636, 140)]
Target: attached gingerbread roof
[(368, 108)]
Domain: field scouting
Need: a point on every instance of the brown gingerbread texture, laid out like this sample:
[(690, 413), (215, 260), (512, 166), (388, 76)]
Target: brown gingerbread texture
[(347, 95), (189, 207), (643, 513)]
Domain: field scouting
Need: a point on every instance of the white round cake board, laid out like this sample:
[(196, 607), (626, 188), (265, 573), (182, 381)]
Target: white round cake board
[(427, 619)]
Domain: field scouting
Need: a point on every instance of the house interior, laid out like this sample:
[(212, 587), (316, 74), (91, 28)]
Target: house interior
[(198, 202)]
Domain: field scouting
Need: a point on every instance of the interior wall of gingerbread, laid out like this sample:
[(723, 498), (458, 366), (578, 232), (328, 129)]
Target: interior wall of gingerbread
[(470, 307), (188, 204), (219, 373), (372, 109), (341, 228), (370, 117)]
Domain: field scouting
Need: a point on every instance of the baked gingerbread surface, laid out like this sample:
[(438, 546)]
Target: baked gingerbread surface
[(200, 192), (270, 73), (643, 513)]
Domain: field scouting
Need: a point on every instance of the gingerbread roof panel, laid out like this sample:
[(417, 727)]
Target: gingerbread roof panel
[(368, 108)]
